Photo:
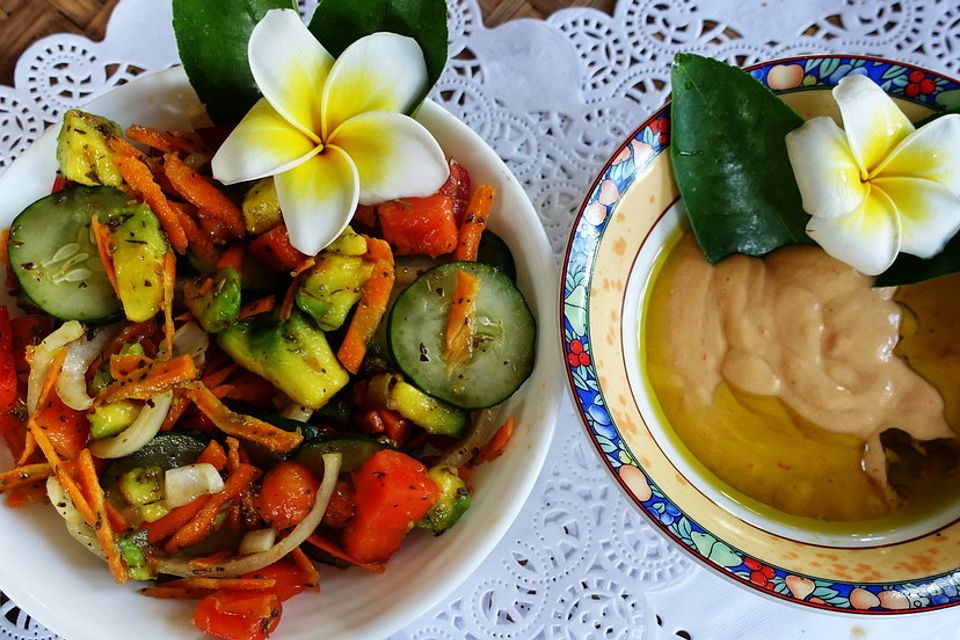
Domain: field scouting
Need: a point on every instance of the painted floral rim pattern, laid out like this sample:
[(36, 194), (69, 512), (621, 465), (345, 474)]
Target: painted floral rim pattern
[(640, 150)]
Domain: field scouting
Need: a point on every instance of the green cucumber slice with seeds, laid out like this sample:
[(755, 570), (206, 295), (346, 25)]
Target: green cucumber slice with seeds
[(503, 354), (54, 256), (354, 451)]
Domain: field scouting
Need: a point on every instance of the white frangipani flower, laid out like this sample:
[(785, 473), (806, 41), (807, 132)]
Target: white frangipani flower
[(878, 186), (332, 133)]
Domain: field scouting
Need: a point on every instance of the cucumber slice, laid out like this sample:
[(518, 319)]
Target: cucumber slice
[(55, 259), (354, 451), (167, 450), (494, 251), (503, 352)]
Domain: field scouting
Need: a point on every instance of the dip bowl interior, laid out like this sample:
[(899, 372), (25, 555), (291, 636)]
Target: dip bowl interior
[(631, 216), (66, 589)]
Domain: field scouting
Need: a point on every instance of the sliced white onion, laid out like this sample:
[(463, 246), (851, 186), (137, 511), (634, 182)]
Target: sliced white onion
[(192, 340), (296, 411), (257, 541), (144, 427), (187, 483), (76, 527), (485, 424), (72, 383), (43, 355), (256, 561)]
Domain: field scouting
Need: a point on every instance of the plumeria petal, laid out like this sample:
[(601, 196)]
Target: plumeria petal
[(827, 173), (290, 67), (263, 144), (867, 239), (318, 199), (379, 72), (871, 119), (932, 152), (929, 213), (395, 156)]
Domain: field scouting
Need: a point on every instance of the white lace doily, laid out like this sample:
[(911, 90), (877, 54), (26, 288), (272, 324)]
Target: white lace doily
[(554, 98)]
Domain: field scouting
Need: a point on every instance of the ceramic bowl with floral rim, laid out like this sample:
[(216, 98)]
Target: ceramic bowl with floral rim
[(631, 213), (66, 589)]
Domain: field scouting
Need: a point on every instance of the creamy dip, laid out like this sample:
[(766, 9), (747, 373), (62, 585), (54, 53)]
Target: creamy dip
[(789, 356)]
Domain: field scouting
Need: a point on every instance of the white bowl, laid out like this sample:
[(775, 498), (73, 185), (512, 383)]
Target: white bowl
[(66, 589)]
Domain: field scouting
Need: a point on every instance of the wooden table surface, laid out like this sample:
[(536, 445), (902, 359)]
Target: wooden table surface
[(23, 21)]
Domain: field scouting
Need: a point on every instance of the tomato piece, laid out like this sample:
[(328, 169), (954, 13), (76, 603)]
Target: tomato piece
[(458, 187), (392, 492), (289, 578), (341, 507), (287, 495), (274, 250), (67, 428), (238, 615), (420, 226), (8, 367)]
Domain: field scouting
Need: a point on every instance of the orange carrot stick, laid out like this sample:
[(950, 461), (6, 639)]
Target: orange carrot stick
[(214, 455), (328, 546), (218, 377), (242, 426), (199, 240), (498, 443), (474, 223), (117, 519), (102, 526), (311, 577), (202, 524), (373, 304), (165, 141), (255, 308), (102, 237), (458, 339), (233, 454), (174, 593), (163, 528), (169, 285), (144, 383), (121, 366), (29, 448), (19, 476), (138, 175), (201, 193)]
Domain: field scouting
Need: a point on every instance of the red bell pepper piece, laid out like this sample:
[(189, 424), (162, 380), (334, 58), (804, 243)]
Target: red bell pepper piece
[(420, 226), (28, 331), (238, 615), (393, 491), (458, 187), (8, 367), (288, 576), (274, 250)]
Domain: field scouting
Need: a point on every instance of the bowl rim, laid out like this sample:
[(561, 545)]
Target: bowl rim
[(487, 532), (656, 128)]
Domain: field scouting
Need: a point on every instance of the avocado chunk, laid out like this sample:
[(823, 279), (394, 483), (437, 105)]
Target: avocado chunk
[(83, 153), (453, 502), (102, 378), (139, 247), (332, 287), (391, 391), (348, 243), (110, 419), (142, 485), (214, 300), (131, 546), (261, 208), (294, 355)]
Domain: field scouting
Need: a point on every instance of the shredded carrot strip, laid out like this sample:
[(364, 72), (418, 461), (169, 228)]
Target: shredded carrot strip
[(308, 263), (35, 493), (174, 593), (311, 577), (164, 141), (101, 236), (169, 284), (232, 258), (373, 304), (138, 175), (19, 476), (458, 340), (199, 240), (117, 520), (233, 454), (475, 221), (201, 193), (205, 562), (202, 524), (29, 448), (214, 455), (122, 147), (177, 409), (236, 584), (164, 527), (255, 308), (102, 526), (222, 391), (289, 298), (144, 383), (239, 425), (498, 443), (328, 546), (121, 366)]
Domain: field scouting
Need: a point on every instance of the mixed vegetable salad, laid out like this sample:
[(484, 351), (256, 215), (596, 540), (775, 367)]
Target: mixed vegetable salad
[(215, 412)]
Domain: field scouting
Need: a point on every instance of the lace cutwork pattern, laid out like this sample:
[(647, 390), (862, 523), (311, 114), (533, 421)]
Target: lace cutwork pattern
[(554, 98)]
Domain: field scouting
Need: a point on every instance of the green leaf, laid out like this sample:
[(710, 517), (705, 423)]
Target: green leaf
[(338, 23), (730, 160), (212, 39), (910, 269)]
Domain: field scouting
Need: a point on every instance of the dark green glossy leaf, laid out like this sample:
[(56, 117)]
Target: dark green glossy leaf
[(910, 269), (730, 160), (338, 23), (212, 38)]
